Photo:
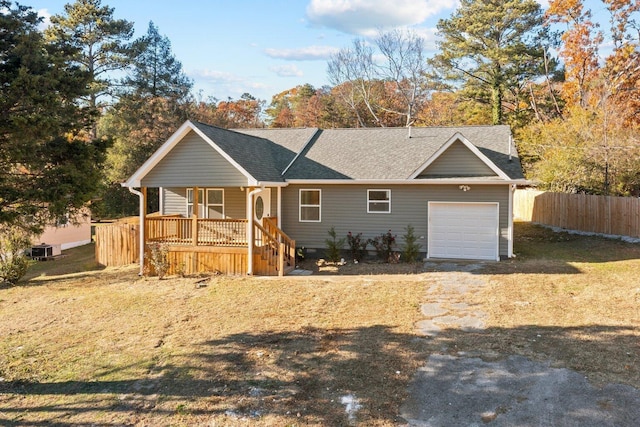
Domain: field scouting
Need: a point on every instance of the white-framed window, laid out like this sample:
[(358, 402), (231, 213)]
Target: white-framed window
[(210, 203), (378, 201), (310, 205), (200, 202), (215, 203)]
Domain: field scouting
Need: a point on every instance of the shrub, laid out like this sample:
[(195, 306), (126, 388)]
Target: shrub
[(13, 262), (159, 259), (334, 246), (384, 245), (357, 246), (410, 249)]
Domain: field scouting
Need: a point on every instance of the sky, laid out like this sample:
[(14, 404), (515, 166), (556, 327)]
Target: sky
[(264, 47)]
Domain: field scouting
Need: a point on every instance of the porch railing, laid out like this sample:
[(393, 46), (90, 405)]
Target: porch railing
[(197, 232), (274, 250)]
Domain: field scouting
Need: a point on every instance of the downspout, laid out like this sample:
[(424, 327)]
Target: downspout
[(250, 228), (141, 236)]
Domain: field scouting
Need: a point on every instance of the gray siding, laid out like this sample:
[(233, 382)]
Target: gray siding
[(175, 202), (457, 160), (344, 207), (193, 162)]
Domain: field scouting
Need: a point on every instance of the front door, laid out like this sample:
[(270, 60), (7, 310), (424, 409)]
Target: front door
[(262, 205)]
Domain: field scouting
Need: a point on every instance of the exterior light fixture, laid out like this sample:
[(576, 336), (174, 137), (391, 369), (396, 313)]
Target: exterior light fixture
[(464, 187)]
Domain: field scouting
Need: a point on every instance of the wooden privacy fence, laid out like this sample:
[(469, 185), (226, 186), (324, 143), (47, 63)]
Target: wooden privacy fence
[(581, 212), (118, 243)]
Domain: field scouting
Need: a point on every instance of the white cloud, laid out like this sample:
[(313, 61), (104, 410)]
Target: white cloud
[(214, 76), (309, 53), (46, 19), (288, 70), (367, 17)]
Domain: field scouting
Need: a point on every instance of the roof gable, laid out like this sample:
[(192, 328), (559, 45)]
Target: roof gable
[(458, 157)]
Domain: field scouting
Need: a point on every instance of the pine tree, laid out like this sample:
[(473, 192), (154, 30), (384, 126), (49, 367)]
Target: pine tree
[(48, 166), (493, 47)]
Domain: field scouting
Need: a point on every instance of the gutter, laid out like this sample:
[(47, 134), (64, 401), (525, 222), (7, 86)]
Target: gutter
[(141, 233)]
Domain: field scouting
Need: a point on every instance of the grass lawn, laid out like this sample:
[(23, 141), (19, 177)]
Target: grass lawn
[(82, 345)]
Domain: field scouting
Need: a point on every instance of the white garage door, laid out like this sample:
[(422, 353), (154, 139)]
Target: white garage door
[(463, 230)]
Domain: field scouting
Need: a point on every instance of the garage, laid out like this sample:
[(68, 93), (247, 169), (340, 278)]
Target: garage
[(463, 230)]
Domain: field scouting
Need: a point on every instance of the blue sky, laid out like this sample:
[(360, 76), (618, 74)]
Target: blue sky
[(263, 47)]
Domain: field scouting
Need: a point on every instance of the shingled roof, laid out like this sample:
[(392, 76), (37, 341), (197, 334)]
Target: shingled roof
[(396, 153), (280, 155)]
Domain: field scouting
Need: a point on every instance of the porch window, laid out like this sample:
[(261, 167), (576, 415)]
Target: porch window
[(210, 203), (215, 203), (200, 202), (378, 201), (310, 205)]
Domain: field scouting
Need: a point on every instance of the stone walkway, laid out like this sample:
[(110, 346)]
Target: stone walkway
[(446, 307)]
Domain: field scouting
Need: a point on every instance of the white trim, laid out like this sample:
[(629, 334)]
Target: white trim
[(441, 181), (161, 153), (512, 190), (429, 234), (459, 137), (69, 245), (161, 200), (300, 205), (369, 190), (279, 207)]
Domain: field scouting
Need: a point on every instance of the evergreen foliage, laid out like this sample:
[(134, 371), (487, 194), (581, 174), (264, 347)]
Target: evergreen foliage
[(411, 247), (334, 246), (49, 166)]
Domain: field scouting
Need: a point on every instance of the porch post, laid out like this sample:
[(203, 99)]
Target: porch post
[(250, 191), (194, 217)]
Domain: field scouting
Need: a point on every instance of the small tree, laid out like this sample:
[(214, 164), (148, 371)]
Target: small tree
[(357, 246), (334, 246), (410, 248), (13, 261)]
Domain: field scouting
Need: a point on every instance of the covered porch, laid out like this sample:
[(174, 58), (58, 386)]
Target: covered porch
[(194, 243)]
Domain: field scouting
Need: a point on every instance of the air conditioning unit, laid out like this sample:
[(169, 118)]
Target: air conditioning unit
[(44, 251)]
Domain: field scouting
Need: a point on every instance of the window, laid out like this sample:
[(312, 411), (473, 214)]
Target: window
[(215, 203), (310, 205), (378, 201), (190, 203)]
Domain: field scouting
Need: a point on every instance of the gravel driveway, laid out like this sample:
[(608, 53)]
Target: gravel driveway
[(461, 390)]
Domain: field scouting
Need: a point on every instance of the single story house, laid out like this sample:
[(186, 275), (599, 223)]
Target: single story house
[(240, 201)]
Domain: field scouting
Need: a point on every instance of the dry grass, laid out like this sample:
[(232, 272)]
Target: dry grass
[(108, 348), (104, 347)]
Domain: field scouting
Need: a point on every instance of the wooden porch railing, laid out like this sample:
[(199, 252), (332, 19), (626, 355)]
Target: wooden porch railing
[(274, 251), (197, 232)]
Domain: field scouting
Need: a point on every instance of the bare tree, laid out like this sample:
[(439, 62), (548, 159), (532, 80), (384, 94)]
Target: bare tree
[(395, 86)]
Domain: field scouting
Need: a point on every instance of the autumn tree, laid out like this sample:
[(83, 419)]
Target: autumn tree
[(49, 167), (100, 42), (581, 39), (493, 48)]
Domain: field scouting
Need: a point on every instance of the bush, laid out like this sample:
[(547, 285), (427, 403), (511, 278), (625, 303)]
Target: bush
[(14, 241), (357, 246), (159, 259), (410, 249), (334, 246), (384, 245)]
